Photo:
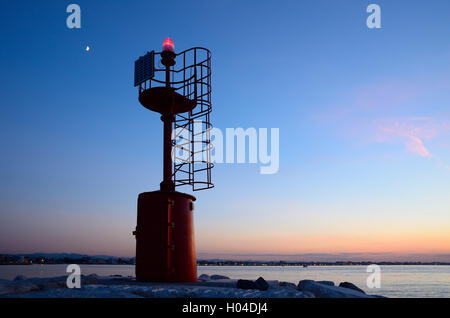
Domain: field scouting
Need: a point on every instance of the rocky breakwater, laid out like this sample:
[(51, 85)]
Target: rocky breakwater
[(214, 286)]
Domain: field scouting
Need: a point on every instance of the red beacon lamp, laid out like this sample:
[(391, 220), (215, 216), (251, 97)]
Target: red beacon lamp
[(168, 45), (165, 249)]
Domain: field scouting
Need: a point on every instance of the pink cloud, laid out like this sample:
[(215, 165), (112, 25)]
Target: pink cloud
[(378, 112), (413, 130), (414, 144)]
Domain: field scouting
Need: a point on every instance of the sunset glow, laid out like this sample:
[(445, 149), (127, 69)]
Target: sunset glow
[(363, 117)]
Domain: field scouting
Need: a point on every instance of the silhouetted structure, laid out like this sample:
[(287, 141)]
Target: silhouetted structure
[(164, 233)]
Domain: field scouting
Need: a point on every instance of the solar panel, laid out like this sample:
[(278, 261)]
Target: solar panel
[(144, 68)]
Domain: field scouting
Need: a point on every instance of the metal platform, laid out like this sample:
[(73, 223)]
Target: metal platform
[(165, 100)]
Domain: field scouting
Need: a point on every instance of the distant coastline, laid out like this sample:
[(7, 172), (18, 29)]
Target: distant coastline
[(64, 258), (307, 264)]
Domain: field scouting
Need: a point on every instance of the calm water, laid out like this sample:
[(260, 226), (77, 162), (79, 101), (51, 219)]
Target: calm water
[(396, 281)]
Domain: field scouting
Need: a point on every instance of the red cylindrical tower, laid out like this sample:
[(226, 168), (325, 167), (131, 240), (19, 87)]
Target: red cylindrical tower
[(165, 247)]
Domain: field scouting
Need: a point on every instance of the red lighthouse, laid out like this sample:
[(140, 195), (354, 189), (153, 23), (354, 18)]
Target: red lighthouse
[(165, 249)]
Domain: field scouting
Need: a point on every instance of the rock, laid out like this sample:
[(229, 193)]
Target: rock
[(90, 279), (51, 282), (273, 283), (204, 277), (325, 282), (351, 286), (8, 287), (261, 284), (214, 277), (308, 294), (228, 283), (327, 291), (246, 284), (287, 284), (20, 277)]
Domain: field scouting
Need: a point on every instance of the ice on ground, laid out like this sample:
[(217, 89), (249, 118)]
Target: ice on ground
[(93, 286)]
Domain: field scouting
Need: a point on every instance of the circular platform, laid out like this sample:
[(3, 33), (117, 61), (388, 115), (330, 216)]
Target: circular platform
[(163, 99)]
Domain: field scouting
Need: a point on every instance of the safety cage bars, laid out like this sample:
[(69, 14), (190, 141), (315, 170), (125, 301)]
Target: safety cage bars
[(191, 141)]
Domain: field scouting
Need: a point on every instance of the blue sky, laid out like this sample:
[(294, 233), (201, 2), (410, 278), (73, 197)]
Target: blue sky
[(364, 119)]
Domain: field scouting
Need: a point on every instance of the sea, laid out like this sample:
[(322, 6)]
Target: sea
[(397, 281)]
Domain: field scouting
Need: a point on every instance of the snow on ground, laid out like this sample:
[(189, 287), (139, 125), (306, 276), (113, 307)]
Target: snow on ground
[(93, 286)]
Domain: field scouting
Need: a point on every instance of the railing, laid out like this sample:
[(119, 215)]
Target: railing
[(191, 136)]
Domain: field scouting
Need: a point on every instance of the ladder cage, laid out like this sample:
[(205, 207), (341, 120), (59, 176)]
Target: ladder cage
[(191, 141)]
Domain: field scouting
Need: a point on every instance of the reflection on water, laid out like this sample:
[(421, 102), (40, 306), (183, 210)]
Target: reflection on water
[(396, 281)]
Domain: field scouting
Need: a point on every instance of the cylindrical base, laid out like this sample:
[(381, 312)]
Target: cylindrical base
[(165, 249)]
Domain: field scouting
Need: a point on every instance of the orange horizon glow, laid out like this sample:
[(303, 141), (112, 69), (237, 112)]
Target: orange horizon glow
[(437, 242)]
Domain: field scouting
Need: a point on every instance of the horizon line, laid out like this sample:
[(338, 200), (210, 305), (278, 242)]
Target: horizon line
[(308, 257)]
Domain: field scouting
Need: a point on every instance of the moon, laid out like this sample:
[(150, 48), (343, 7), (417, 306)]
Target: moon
[(87, 48)]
